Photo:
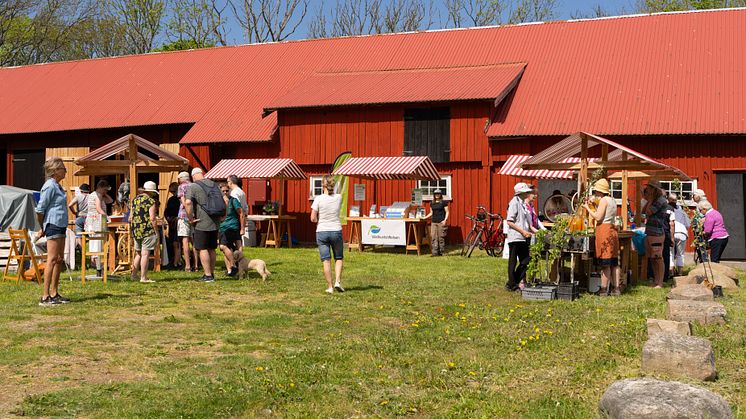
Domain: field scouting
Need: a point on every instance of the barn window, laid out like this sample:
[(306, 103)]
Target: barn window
[(429, 186), (315, 182), (427, 133), (687, 187)]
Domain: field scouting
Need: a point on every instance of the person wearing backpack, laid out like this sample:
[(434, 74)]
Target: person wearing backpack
[(205, 209)]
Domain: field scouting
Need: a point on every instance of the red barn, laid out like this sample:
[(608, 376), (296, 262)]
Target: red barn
[(670, 85)]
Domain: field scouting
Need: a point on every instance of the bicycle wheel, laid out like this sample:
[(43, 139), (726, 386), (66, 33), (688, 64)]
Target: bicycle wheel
[(467, 242), (477, 242), (499, 246)]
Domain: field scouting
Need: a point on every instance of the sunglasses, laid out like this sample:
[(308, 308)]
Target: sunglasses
[(225, 190)]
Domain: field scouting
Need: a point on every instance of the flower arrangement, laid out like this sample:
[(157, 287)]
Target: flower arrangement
[(271, 207)]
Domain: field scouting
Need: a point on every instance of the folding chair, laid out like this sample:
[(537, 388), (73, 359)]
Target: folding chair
[(25, 253), (103, 255)]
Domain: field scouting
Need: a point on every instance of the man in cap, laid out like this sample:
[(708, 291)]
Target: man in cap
[(439, 226), (519, 236), (205, 226), (143, 228), (184, 229)]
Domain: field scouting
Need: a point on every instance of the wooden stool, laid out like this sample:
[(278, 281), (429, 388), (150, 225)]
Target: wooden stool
[(20, 256), (103, 255)]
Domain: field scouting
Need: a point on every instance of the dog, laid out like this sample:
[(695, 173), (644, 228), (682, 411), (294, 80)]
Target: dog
[(244, 265)]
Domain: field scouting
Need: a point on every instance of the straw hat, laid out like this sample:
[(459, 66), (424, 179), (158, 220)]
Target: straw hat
[(601, 185), (150, 186)]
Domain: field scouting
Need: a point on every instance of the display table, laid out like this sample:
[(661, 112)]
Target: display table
[(625, 259), (412, 233), (276, 226)]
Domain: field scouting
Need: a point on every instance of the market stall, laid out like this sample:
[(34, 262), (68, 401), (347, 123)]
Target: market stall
[(281, 169), (571, 157), (128, 156), (397, 224)]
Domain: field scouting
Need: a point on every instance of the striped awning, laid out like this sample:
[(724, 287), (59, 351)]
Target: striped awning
[(416, 167), (257, 169), (512, 167)]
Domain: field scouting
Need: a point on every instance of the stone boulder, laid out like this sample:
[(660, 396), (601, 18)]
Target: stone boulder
[(722, 275), (646, 398), (679, 356), (704, 312), (685, 280), (691, 292), (657, 326)]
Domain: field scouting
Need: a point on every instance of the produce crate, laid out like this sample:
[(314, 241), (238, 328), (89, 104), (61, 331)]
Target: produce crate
[(568, 291), (541, 292)]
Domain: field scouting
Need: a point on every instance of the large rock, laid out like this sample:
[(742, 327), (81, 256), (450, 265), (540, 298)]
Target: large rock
[(685, 280), (722, 275), (704, 312), (645, 398), (657, 326), (691, 292), (679, 356)]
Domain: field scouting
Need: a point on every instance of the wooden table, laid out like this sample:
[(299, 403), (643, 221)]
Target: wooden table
[(417, 233), (277, 225)]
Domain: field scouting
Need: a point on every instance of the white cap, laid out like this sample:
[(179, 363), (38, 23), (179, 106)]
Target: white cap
[(700, 192), (183, 175), (197, 171), (150, 186), (521, 187)]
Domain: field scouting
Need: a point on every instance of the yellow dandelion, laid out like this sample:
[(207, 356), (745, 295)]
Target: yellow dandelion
[(456, 314), (380, 307), (530, 338), (505, 319), (451, 365), (384, 402), (292, 385), (259, 369), (511, 310), (462, 305), (523, 343), (472, 373)]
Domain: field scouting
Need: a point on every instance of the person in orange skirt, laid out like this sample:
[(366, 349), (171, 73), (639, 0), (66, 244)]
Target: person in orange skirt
[(607, 237)]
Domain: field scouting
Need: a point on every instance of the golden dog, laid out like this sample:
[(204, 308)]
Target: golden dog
[(244, 265)]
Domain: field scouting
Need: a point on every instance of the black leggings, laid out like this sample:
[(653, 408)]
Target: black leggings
[(716, 249), (517, 262)]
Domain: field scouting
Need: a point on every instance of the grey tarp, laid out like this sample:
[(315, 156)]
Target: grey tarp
[(17, 209)]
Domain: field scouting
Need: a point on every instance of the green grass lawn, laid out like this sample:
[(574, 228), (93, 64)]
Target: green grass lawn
[(412, 335)]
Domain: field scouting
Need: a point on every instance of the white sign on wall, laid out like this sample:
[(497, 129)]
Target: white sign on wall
[(359, 192), (382, 231)]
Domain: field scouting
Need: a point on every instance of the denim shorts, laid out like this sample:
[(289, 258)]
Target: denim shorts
[(79, 226), (330, 241), (54, 232)]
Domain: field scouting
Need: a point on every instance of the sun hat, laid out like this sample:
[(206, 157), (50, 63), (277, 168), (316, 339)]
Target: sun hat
[(197, 171), (521, 187), (150, 186), (655, 184), (700, 193), (601, 185), (183, 175)]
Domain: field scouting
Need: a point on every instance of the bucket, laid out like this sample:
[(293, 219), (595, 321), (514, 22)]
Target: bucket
[(717, 291), (594, 282)]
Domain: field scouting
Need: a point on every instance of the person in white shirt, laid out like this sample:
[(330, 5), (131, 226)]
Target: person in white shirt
[(234, 183), (325, 213)]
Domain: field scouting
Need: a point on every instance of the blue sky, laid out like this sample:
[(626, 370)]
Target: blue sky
[(565, 10)]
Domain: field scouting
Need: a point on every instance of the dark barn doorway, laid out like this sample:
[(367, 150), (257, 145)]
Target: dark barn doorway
[(731, 189)]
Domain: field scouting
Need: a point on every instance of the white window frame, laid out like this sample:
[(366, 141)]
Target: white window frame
[(312, 189), (616, 186), (667, 185), (425, 184)]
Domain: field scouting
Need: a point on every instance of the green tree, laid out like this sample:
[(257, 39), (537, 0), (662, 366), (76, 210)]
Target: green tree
[(142, 21)]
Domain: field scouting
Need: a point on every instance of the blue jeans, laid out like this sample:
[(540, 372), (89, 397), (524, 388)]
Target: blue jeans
[(79, 226), (330, 241)]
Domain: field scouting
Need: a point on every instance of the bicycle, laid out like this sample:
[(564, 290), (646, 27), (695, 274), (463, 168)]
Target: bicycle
[(486, 233)]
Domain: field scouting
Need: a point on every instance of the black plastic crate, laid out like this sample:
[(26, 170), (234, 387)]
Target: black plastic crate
[(568, 291)]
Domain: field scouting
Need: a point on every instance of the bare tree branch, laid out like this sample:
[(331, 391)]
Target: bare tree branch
[(142, 19), (196, 23), (269, 20)]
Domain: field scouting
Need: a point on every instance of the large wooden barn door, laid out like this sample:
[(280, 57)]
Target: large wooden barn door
[(731, 190), (68, 156)]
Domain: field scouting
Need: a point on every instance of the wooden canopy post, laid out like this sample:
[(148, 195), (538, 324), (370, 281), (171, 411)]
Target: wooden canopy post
[(638, 202), (132, 167), (625, 203), (283, 182)]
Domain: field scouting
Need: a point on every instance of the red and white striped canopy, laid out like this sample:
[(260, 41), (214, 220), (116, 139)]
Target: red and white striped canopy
[(512, 167), (257, 169), (416, 167)]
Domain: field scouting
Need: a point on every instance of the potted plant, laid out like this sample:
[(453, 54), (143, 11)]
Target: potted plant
[(270, 207)]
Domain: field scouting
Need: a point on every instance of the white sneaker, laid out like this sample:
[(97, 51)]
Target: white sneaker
[(338, 287), (330, 290), (146, 281)]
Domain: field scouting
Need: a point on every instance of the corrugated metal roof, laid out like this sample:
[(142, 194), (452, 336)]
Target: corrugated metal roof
[(409, 167), (657, 74), (402, 86), (256, 169)]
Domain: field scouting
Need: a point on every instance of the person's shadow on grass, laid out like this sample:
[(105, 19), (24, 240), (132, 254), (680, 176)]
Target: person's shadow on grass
[(364, 288)]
